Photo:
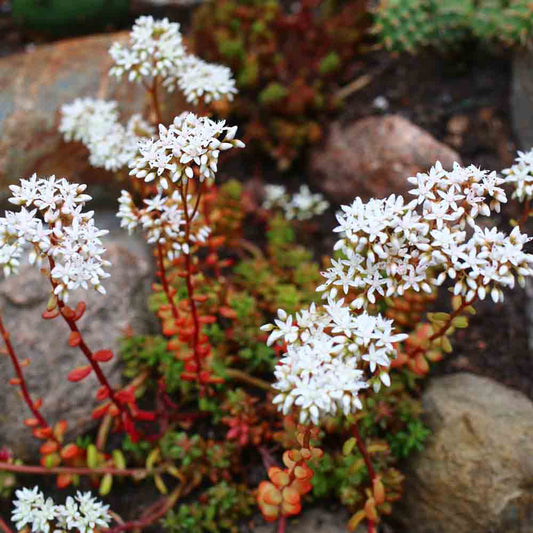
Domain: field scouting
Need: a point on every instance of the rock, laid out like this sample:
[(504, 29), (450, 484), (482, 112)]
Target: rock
[(522, 96), (22, 300), (314, 521), (374, 156), (34, 86), (476, 473)]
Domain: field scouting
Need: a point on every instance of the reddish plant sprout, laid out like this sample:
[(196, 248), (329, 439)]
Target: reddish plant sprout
[(281, 497)]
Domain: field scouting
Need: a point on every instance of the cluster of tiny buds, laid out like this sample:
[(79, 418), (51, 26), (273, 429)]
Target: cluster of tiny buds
[(164, 222), (520, 175), (188, 148), (388, 246), (52, 224), (95, 123), (332, 354), (83, 513), (156, 51), (303, 205)]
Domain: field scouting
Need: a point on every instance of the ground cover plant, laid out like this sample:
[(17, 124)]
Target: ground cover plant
[(287, 65), (310, 371)]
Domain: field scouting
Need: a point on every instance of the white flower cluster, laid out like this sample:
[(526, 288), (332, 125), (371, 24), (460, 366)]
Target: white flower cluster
[(520, 175), (51, 222), (83, 513), (190, 143), (156, 51), (163, 221), (198, 80), (95, 124), (388, 247), (303, 205), (332, 354)]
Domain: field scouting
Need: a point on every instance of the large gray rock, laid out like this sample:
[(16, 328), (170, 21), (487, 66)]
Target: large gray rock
[(476, 473), (374, 156), (522, 96), (35, 84), (22, 300)]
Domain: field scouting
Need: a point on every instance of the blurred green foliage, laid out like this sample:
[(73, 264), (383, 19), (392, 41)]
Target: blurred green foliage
[(67, 17), (408, 25)]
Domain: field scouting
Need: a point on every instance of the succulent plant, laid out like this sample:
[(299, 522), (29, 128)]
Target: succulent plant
[(408, 25), (287, 65)]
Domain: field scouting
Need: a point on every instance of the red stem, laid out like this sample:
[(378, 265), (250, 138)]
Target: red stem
[(18, 370), (73, 470), (4, 527), (164, 281), (282, 524), (190, 286), (155, 102), (525, 213), (363, 451), (94, 364), (88, 353), (154, 513), (371, 526)]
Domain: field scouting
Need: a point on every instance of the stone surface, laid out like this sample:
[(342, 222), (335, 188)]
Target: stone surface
[(34, 86), (314, 521), (374, 156), (476, 473), (22, 300), (522, 96)]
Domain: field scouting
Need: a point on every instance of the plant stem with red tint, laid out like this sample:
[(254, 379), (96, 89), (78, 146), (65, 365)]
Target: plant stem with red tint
[(525, 213), (20, 377), (156, 108), (371, 526), (81, 344), (153, 514), (4, 527), (190, 285), (74, 470), (164, 281)]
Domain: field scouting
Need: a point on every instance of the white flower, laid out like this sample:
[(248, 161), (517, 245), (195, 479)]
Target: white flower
[(87, 117), (303, 205), (155, 49), (163, 222), (275, 196), (332, 354), (52, 224), (95, 123), (520, 175), (284, 329), (188, 147), (199, 80), (82, 514), (388, 247)]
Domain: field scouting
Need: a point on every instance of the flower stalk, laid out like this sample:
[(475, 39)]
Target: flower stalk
[(21, 381)]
